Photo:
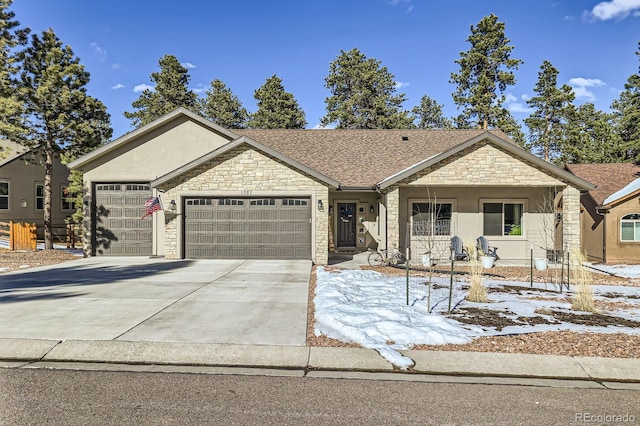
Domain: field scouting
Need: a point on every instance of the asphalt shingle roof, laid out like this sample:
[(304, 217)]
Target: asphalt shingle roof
[(608, 178), (361, 158)]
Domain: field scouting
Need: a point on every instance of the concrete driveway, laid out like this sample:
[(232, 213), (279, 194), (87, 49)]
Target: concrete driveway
[(158, 300)]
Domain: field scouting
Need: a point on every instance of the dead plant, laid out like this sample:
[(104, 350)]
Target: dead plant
[(477, 292), (582, 279)]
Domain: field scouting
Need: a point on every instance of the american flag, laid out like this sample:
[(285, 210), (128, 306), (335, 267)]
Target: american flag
[(150, 206)]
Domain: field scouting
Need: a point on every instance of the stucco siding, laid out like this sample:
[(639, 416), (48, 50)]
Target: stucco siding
[(244, 171), (22, 178), (618, 251)]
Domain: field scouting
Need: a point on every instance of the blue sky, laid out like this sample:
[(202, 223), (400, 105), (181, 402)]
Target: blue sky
[(243, 42)]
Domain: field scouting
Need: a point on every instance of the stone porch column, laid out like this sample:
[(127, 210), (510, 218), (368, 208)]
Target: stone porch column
[(393, 217), (571, 218)]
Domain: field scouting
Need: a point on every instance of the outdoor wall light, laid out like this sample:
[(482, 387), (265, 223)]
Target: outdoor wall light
[(372, 210), (23, 203), (172, 205), (320, 205)]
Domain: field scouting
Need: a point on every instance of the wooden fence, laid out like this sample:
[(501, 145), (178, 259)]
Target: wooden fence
[(22, 236), (25, 236)]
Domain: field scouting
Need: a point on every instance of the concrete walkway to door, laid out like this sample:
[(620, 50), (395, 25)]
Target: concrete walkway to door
[(157, 300)]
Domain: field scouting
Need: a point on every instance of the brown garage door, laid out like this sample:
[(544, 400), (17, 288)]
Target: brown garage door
[(251, 228), (118, 229)]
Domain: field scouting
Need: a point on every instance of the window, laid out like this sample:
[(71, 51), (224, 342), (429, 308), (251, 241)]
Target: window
[(294, 202), (630, 227), (502, 218), (230, 202), (66, 200), (199, 202), (137, 187), (263, 202), (108, 187), (431, 219), (39, 196), (4, 195)]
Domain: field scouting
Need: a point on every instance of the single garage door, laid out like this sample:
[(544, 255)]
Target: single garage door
[(251, 228), (118, 228)]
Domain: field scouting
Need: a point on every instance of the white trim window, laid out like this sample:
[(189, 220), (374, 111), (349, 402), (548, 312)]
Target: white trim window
[(66, 201), (39, 196), (431, 219), (4, 195), (502, 218), (630, 227)]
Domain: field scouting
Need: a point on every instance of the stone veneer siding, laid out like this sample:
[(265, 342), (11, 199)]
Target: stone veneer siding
[(244, 171), (487, 165)]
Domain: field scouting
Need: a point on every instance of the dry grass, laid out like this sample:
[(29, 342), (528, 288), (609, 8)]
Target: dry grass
[(477, 292), (583, 299)]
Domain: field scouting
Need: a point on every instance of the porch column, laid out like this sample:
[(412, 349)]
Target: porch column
[(571, 218), (393, 217), (321, 227)]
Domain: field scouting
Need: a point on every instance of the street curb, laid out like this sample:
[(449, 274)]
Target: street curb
[(25, 349)]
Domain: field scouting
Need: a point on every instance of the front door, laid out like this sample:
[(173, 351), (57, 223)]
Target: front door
[(346, 225)]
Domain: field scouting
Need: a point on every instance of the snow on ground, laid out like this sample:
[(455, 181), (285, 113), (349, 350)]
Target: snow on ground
[(369, 308), (627, 271)]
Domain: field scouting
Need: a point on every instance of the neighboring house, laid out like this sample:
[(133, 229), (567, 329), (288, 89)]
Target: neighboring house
[(611, 212), (301, 193), (22, 187)]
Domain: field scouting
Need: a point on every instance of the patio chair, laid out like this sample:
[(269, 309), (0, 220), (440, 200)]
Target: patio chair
[(485, 249), (458, 250)]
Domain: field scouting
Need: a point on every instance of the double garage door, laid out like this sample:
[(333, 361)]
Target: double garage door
[(265, 228)]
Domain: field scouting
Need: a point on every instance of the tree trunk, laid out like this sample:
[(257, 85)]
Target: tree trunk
[(48, 175)]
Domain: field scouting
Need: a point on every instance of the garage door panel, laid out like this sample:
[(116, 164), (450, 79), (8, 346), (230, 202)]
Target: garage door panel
[(118, 228), (249, 228)]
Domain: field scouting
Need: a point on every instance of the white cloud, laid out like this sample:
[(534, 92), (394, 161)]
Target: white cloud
[(117, 86), (519, 107), (508, 97), (581, 87), (116, 66), (142, 87), (616, 9), (321, 127), (100, 53), (409, 8), (199, 89), (188, 65), (401, 85)]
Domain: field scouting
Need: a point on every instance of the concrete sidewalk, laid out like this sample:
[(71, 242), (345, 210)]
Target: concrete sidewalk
[(475, 367)]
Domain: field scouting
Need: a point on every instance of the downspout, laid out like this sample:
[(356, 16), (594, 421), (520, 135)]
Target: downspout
[(604, 232), (386, 216)]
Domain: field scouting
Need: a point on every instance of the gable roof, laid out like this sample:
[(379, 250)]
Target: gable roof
[(123, 140), (609, 178), (228, 147), (379, 158), (12, 150), (360, 158)]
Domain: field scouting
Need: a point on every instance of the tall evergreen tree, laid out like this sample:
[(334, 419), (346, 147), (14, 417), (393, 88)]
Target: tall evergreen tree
[(12, 125), (277, 108), (223, 107), (485, 73), (363, 95), (169, 93), (547, 123), (591, 138), (61, 118), (627, 115), (429, 115), (508, 124)]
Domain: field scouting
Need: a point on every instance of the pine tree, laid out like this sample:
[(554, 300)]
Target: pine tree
[(627, 115), (485, 73), (170, 92), (429, 115), (363, 95), (223, 107), (509, 125), (277, 108), (591, 138), (61, 118), (12, 125), (552, 104)]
